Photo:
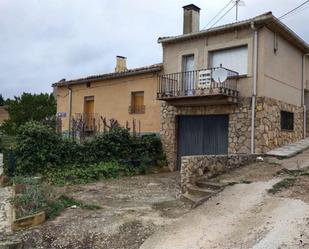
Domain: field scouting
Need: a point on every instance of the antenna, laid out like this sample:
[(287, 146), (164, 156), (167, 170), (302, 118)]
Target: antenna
[(238, 3)]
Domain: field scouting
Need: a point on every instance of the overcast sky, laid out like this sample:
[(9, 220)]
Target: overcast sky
[(43, 41)]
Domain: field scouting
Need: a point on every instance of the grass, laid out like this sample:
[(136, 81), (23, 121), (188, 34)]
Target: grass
[(284, 184)]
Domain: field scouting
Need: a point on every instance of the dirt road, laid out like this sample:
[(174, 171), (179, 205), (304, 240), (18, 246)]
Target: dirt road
[(244, 216)]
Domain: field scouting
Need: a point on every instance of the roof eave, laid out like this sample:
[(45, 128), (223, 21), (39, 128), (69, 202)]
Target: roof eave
[(108, 76), (218, 29)]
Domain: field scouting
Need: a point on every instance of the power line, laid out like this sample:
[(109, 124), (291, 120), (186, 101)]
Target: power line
[(295, 13), (296, 8), (218, 13), (223, 15)]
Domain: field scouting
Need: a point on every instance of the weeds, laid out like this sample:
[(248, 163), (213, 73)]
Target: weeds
[(284, 184), (33, 195)]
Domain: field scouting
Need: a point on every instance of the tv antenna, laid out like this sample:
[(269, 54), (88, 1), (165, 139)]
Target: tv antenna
[(238, 3)]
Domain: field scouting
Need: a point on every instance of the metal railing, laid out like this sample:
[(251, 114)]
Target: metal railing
[(197, 83), (138, 109)]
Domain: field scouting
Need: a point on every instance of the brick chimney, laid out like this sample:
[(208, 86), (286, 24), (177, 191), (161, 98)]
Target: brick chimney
[(191, 19), (121, 64)]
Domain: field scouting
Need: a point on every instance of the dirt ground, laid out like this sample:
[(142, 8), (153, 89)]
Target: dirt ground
[(145, 212), (133, 208), (245, 215)]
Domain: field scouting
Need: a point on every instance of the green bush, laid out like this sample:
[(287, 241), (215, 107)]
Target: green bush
[(37, 147), (115, 145), (80, 174)]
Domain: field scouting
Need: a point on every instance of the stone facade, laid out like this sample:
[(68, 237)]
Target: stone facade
[(268, 133), (194, 167)]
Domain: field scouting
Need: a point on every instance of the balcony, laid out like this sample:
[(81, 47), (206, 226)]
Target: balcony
[(137, 109), (199, 87)]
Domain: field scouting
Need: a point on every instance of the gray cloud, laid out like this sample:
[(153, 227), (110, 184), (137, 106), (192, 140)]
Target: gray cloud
[(44, 41)]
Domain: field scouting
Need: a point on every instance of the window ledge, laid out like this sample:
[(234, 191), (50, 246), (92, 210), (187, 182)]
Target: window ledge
[(285, 130)]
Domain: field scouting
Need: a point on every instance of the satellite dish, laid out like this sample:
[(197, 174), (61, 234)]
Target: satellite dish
[(220, 75)]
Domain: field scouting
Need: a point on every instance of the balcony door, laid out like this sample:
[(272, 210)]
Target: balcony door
[(188, 74), (89, 112)]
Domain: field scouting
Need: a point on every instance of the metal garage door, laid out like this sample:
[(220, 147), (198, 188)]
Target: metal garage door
[(202, 135)]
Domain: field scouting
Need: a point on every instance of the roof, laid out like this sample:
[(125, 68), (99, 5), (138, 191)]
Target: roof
[(266, 19), (93, 78)]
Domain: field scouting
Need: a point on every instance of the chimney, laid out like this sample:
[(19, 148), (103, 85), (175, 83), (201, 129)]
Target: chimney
[(191, 19), (121, 64)]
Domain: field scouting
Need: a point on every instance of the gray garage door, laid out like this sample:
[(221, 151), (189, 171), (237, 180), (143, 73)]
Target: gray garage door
[(202, 135)]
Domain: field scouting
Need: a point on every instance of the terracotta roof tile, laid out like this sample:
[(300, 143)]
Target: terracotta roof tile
[(136, 71)]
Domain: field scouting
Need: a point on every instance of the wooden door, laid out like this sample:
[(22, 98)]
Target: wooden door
[(89, 113)]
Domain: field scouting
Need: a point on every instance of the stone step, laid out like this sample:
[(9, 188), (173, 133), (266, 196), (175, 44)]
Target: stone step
[(189, 198), (210, 185), (195, 200), (195, 190)]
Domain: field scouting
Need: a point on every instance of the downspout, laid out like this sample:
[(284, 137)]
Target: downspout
[(70, 108), (253, 105), (303, 95)]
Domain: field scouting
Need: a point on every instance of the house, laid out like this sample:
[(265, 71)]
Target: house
[(4, 115), (237, 88), (124, 95)]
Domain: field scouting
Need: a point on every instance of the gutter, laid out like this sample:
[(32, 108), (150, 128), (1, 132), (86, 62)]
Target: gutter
[(303, 95), (70, 108), (253, 105)]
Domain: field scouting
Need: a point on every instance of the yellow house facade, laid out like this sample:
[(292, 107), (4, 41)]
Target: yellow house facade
[(4, 115), (126, 95)]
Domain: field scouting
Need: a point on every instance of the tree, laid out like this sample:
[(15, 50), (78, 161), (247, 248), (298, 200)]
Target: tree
[(2, 101), (28, 107)]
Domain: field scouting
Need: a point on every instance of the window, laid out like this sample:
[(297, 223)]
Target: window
[(137, 103), (235, 59), (287, 121)]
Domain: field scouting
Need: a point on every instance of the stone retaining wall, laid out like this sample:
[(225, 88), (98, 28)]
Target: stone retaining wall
[(268, 133), (194, 167)]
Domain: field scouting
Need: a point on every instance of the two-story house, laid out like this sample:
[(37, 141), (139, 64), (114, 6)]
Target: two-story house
[(236, 88)]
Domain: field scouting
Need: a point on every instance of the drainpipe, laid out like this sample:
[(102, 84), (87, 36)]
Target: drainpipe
[(70, 108), (303, 95), (255, 61)]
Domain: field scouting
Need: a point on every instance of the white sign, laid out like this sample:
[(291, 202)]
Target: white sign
[(204, 79), (61, 114)]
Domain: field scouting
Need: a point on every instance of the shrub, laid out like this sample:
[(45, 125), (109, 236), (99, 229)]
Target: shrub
[(115, 145), (40, 150), (79, 174), (37, 146)]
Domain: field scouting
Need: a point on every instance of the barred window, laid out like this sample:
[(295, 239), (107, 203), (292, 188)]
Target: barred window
[(287, 121)]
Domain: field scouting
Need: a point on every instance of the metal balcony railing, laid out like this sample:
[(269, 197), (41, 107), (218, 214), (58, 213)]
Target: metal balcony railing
[(204, 82), (138, 109)]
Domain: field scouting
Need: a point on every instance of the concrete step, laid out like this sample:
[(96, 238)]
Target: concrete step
[(204, 183), (195, 190), (190, 199), (11, 245), (195, 200)]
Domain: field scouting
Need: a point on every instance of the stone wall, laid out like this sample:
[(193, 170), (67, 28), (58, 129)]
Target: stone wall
[(194, 167), (239, 126), (268, 131)]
